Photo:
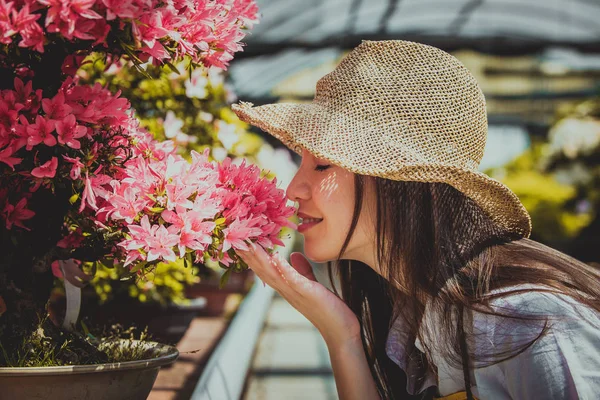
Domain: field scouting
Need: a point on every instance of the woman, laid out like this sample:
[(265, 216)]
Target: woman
[(443, 292)]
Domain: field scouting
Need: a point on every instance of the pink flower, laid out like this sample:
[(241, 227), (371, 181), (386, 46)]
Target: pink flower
[(178, 195), (237, 233), (40, 132), (69, 17), (126, 206), (149, 28), (8, 111), (76, 168), (89, 195), (55, 108), (6, 26), (18, 213), (141, 232), (33, 37), (194, 232), (68, 132), (25, 97), (120, 9), (161, 245), (7, 158), (56, 270), (46, 170), (23, 18), (157, 51)]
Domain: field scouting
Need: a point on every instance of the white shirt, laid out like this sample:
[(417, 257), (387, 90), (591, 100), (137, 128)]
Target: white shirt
[(563, 364)]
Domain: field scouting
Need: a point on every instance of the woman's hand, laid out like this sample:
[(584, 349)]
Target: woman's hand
[(298, 285)]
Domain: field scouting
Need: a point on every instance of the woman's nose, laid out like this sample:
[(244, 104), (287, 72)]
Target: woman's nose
[(298, 189)]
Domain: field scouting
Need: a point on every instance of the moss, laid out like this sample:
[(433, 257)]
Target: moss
[(49, 346)]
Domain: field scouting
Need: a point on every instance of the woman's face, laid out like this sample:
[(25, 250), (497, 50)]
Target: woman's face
[(325, 192)]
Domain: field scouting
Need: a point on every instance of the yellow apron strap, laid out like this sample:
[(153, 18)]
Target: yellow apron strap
[(455, 396)]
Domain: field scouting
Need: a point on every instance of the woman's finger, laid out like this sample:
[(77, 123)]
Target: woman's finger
[(262, 264), (301, 264), (296, 280)]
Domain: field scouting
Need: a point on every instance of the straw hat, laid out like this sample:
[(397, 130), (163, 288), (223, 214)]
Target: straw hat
[(398, 110)]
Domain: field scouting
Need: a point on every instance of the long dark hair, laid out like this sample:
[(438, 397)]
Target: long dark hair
[(435, 243)]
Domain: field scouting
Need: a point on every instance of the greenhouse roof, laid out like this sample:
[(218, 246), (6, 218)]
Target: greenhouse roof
[(497, 26), (530, 56)]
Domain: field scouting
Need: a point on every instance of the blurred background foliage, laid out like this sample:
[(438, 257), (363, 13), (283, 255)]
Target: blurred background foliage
[(558, 180), (188, 107), (164, 285)]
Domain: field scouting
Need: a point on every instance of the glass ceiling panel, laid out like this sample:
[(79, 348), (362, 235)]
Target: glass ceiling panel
[(294, 22)]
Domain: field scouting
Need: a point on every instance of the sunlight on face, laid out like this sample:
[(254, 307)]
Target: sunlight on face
[(326, 191)]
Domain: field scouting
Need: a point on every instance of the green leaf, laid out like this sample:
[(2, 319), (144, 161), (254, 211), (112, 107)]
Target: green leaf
[(187, 260), (138, 267), (220, 221), (85, 329), (225, 278), (172, 67), (94, 268)]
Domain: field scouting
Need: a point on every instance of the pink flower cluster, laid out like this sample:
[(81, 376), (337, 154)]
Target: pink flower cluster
[(169, 207), (40, 137), (209, 31), (152, 203)]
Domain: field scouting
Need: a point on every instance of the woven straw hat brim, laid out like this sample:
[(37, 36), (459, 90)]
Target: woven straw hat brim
[(288, 122)]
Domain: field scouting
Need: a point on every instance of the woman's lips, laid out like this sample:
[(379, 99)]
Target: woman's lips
[(305, 225)]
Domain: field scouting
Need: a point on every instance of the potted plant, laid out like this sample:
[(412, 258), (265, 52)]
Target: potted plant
[(82, 181)]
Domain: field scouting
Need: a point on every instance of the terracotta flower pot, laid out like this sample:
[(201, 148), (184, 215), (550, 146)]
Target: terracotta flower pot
[(130, 380)]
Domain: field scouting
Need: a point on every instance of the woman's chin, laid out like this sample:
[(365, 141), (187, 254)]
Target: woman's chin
[(318, 255)]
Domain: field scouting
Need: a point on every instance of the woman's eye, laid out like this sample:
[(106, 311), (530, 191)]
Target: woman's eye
[(322, 167)]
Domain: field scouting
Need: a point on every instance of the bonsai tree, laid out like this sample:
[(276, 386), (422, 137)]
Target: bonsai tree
[(81, 180)]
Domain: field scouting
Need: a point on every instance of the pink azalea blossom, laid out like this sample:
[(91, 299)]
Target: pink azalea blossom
[(17, 214), (76, 168), (88, 197), (55, 108), (6, 156), (68, 132), (23, 18), (120, 9), (46, 170), (161, 245), (7, 30), (238, 232), (32, 37), (126, 206), (25, 97), (40, 132)]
